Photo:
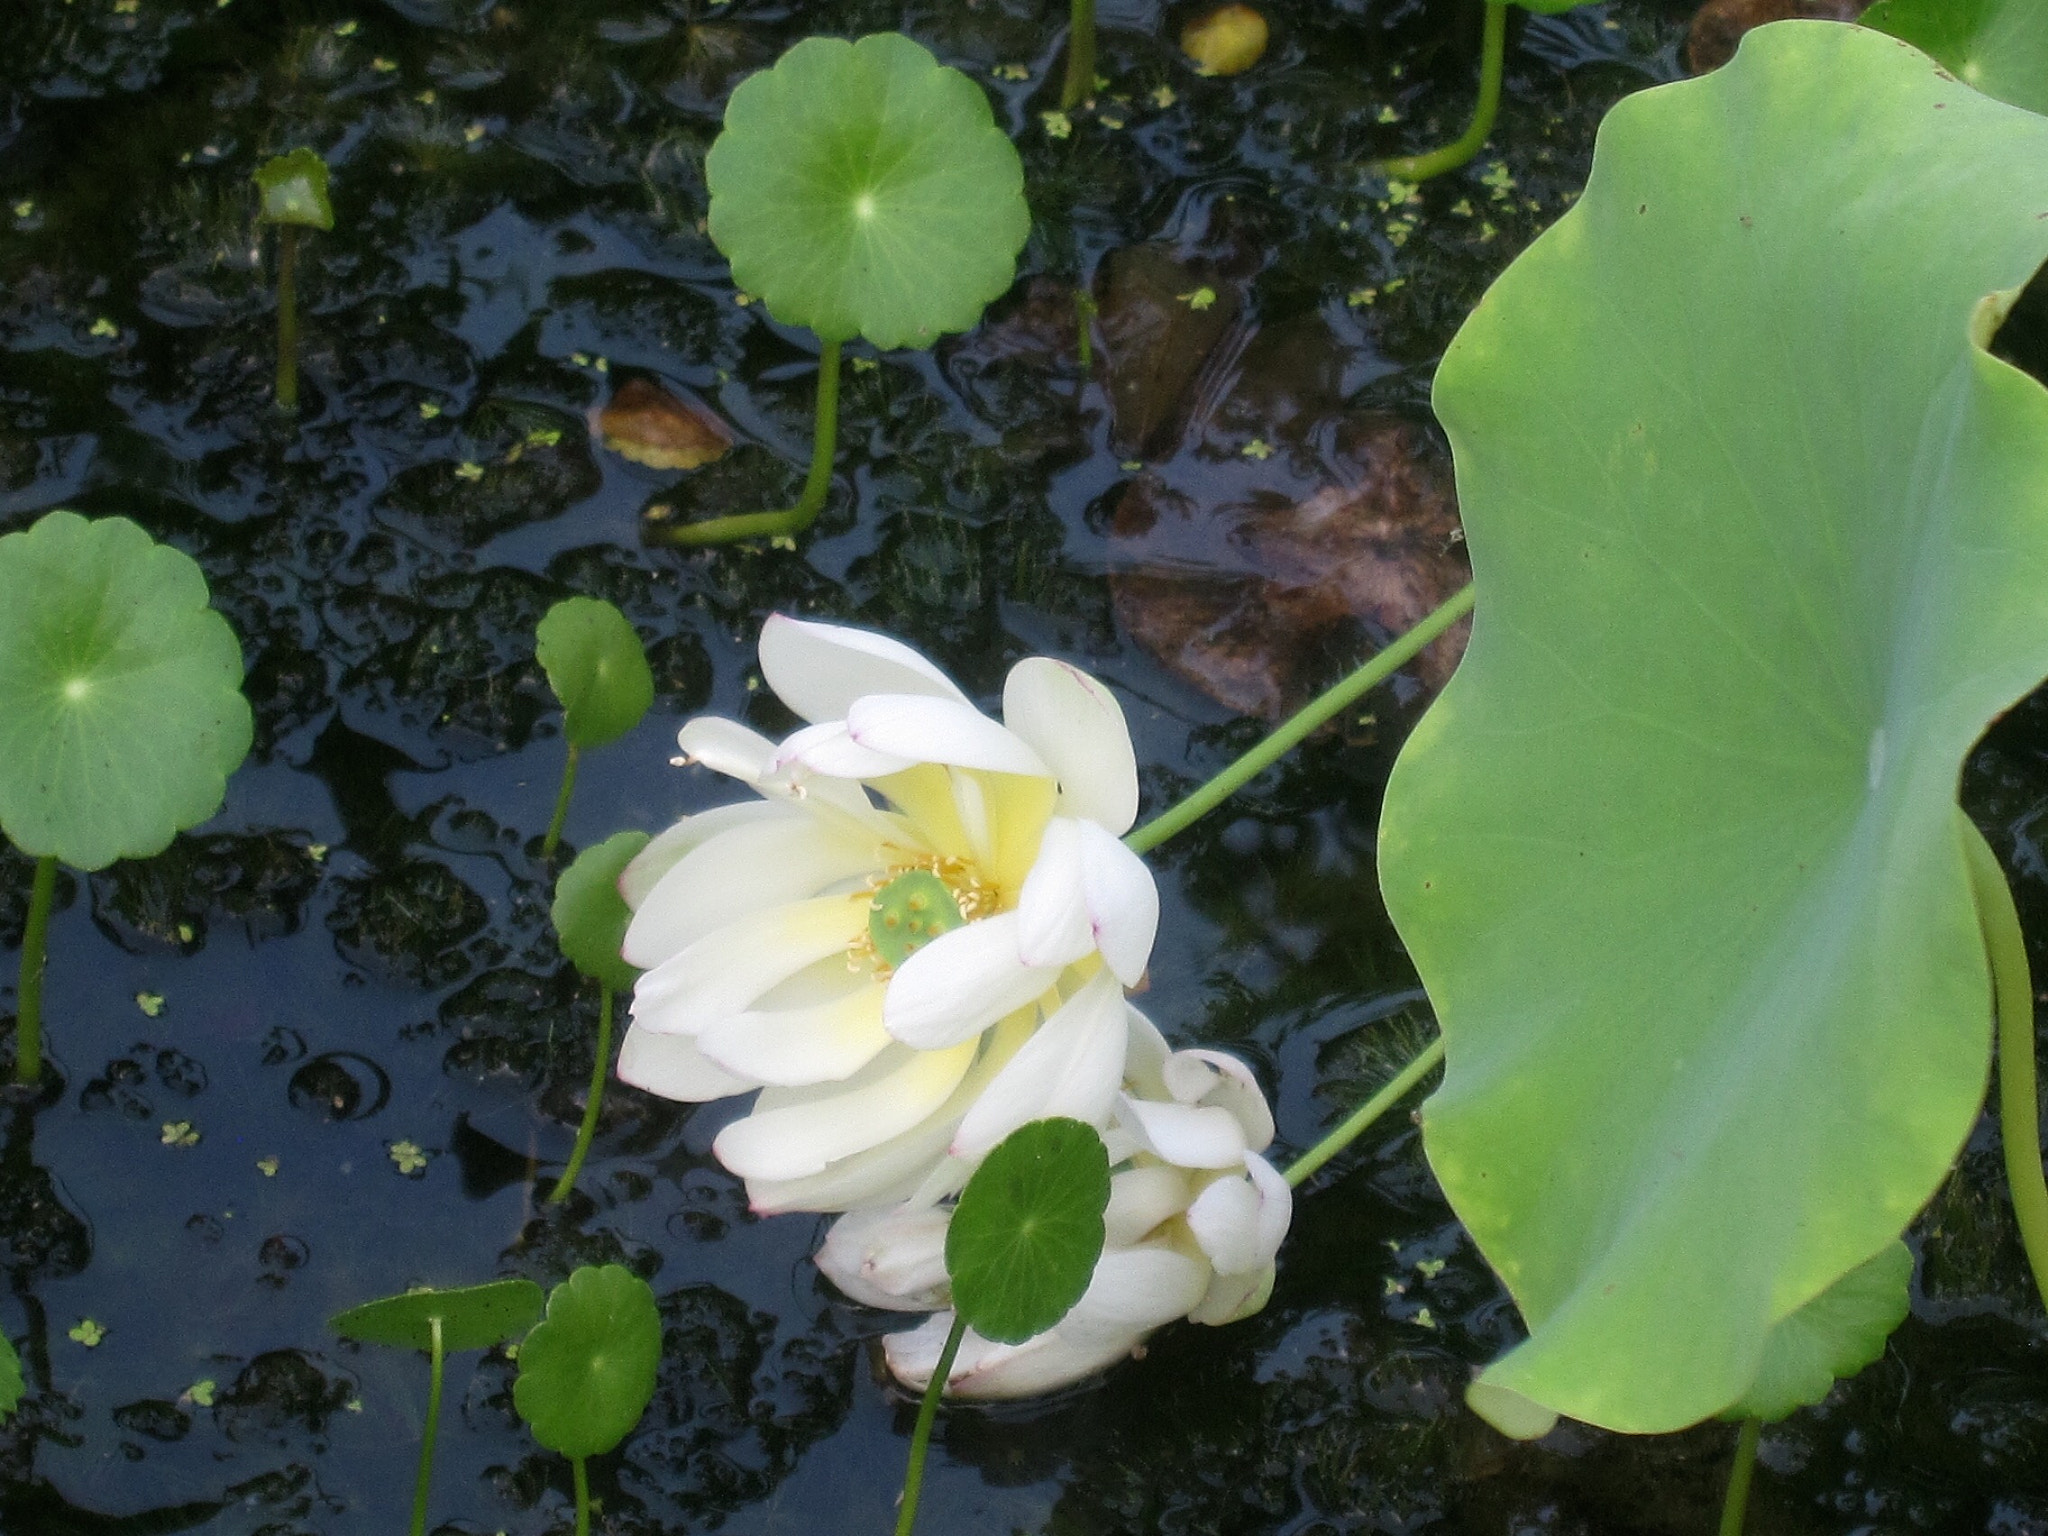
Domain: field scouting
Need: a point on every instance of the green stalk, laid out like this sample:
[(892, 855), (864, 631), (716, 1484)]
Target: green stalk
[(554, 838), (1330, 702), (817, 484), (1084, 326), (591, 1105), (28, 991), (2019, 1106), (582, 1477), (426, 1473), (1735, 1504), (1080, 82), (921, 1437), (1354, 1126), (287, 318), (1492, 53)]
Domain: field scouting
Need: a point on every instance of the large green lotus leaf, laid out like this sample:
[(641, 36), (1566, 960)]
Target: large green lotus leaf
[(1760, 534), (121, 708), (864, 189), (1999, 46), (1832, 1337)]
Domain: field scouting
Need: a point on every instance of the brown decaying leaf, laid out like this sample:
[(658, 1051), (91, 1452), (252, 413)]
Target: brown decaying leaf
[(1244, 599), (1161, 319), (1226, 41), (1717, 26), (651, 426)]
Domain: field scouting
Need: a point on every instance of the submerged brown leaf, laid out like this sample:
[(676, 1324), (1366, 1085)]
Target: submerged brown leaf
[(1161, 319), (651, 426), (1245, 599), (1717, 26)]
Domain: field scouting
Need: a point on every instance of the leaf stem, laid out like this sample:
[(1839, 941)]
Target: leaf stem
[(593, 1103), (1080, 81), (554, 838), (1735, 1503), (2019, 1105), (921, 1436), (1084, 328), (1291, 732), (28, 991), (1355, 1124), (582, 1476), (1492, 55), (425, 1477), (287, 319), (817, 484)]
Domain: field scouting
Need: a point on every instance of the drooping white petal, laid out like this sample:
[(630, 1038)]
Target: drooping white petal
[(1123, 902), (673, 1067), (821, 1042), (1077, 726), (828, 749), (929, 730), (1140, 1199), (1215, 1077), (795, 1132), (1225, 1221), (903, 1167), (1138, 1289), (1145, 1057), (1187, 1135), (892, 1257), (960, 983), (1053, 925), (666, 849), (818, 670), (730, 968), (1231, 1297), (1276, 1203), (762, 862), (1071, 1067), (727, 747)]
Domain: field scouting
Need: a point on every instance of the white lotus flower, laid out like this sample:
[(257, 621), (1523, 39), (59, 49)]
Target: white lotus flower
[(1195, 1219), (915, 939)]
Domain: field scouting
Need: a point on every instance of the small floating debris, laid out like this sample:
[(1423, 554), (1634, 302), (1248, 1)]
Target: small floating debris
[(1227, 41), (652, 426)]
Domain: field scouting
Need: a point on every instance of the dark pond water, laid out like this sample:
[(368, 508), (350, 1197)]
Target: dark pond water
[(356, 953)]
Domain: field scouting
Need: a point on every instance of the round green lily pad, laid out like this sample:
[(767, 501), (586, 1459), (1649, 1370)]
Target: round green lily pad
[(864, 189), (121, 708), (597, 667), (1022, 1245), (294, 189), (591, 916), (472, 1316), (586, 1373)]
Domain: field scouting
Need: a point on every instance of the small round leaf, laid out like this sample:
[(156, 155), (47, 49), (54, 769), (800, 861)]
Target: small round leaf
[(121, 708), (591, 916), (864, 189), (1831, 1338), (1022, 1245), (294, 189), (595, 664), (586, 1373), (472, 1316)]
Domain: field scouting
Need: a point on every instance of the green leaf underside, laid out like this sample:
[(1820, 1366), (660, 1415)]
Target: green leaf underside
[(590, 915), (864, 189), (1831, 1338), (1022, 1244), (121, 708), (1998, 46), (11, 1384), (586, 1373), (597, 667), (294, 189), (472, 1317), (1757, 534)]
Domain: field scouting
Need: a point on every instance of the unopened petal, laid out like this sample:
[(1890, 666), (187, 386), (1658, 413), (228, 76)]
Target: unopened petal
[(672, 1067), (794, 1132), (1225, 1222), (1077, 726), (1188, 1135), (1218, 1078), (960, 983), (1070, 1067), (892, 1257), (1140, 1199), (818, 670), (929, 730)]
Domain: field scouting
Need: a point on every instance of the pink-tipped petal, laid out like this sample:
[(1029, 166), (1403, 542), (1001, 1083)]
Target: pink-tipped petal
[(893, 1257), (1123, 902), (818, 670), (1077, 726), (1053, 926), (1218, 1078), (929, 730)]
